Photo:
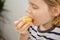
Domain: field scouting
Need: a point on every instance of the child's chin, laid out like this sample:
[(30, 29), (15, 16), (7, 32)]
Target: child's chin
[(35, 24)]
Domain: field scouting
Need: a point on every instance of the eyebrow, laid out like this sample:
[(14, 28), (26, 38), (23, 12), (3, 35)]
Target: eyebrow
[(33, 4)]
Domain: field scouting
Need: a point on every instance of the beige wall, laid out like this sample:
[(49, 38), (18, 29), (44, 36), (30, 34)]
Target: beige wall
[(15, 11)]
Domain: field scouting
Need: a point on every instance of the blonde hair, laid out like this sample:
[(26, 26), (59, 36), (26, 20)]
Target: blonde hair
[(54, 3)]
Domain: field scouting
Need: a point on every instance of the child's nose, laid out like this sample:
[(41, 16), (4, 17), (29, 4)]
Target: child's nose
[(28, 9)]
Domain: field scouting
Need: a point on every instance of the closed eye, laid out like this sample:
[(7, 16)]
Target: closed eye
[(33, 5)]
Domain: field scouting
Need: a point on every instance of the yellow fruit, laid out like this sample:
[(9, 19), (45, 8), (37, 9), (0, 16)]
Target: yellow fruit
[(26, 19)]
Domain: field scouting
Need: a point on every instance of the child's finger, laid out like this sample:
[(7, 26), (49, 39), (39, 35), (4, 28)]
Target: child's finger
[(26, 26), (17, 22), (23, 30), (20, 24), (17, 27)]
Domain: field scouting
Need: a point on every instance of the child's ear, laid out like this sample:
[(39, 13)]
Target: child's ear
[(55, 11)]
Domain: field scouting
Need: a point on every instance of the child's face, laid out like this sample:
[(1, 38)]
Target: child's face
[(39, 11)]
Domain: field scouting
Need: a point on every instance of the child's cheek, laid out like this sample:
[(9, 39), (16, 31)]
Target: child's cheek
[(36, 13)]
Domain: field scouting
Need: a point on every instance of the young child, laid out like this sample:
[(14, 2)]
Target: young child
[(46, 24)]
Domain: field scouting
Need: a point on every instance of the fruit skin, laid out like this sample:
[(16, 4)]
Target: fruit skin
[(26, 19)]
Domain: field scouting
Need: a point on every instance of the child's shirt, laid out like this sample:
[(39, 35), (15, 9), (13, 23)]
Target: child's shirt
[(50, 34)]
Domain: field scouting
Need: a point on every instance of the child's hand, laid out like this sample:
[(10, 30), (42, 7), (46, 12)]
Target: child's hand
[(21, 26)]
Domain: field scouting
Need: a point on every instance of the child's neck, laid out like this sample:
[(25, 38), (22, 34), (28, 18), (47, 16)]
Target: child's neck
[(45, 26)]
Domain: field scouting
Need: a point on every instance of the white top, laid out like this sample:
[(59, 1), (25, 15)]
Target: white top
[(50, 34)]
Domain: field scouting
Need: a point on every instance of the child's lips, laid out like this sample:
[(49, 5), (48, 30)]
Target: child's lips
[(32, 21)]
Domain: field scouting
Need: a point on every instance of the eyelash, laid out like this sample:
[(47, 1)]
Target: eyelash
[(34, 7)]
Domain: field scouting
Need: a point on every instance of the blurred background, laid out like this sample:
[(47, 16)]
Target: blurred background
[(10, 11)]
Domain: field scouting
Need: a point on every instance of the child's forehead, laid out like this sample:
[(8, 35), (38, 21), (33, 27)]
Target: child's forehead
[(36, 1)]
